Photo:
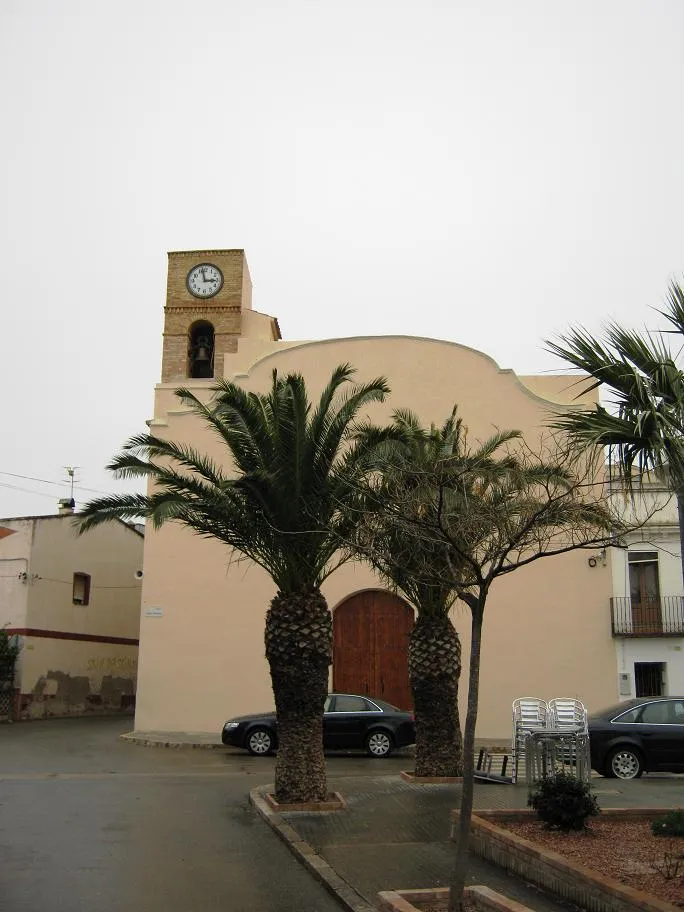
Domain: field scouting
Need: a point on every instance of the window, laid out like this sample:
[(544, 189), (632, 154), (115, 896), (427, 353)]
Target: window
[(629, 716), (348, 704), (644, 593), (643, 576), (658, 713), (81, 591), (648, 678)]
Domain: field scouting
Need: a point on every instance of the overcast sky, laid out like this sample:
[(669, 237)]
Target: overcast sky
[(483, 172)]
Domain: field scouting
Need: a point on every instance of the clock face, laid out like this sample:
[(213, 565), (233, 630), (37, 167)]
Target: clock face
[(205, 280)]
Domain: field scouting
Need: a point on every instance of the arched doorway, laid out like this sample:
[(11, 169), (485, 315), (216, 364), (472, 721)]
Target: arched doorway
[(371, 632)]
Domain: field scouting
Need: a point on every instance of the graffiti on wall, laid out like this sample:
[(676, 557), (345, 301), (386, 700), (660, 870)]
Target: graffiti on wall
[(117, 663)]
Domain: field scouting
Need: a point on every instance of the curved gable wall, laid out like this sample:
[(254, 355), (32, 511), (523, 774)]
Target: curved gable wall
[(213, 610)]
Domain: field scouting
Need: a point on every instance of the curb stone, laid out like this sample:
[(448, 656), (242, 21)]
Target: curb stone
[(308, 856), (146, 740)]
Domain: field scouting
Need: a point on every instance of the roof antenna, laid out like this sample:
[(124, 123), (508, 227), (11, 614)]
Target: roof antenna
[(67, 505)]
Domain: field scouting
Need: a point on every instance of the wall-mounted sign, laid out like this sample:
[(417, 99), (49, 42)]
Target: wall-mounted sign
[(153, 612)]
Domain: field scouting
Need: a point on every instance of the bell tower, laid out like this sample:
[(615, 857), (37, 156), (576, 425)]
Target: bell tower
[(206, 292)]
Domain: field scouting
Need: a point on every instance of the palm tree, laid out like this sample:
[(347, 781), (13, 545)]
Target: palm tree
[(408, 455), (411, 528), (645, 428), (275, 499)]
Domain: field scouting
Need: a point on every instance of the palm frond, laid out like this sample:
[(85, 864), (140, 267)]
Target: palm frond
[(277, 495)]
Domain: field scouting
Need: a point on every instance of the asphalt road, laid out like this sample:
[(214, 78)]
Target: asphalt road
[(89, 823)]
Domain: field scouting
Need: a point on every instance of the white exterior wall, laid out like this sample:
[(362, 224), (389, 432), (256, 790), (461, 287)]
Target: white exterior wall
[(661, 534)]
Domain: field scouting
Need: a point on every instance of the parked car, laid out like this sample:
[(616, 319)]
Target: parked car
[(643, 735), (350, 722)]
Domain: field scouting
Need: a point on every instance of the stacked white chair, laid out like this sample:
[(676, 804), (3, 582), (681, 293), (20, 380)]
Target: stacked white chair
[(530, 716), (569, 734), (550, 734)]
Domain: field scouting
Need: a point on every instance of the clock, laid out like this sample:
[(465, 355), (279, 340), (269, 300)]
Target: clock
[(204, 280)]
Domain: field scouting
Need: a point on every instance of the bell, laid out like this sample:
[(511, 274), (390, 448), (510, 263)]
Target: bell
[(202, 351)]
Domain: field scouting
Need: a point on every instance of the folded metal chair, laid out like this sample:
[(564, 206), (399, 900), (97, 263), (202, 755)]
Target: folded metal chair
[(569, 735), (568, 714), (530, 716)]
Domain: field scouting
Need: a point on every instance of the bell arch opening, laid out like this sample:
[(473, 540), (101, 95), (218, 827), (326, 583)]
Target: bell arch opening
[(201, 350)]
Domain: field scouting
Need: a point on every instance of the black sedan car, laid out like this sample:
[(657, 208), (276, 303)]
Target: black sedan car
[(350, 722), (638, 736)]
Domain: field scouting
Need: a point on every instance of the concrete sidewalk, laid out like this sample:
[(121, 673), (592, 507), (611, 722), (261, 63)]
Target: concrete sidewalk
[(395, 835)]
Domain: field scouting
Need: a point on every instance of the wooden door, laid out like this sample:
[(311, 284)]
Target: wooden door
[(370, 647), (645, 592)]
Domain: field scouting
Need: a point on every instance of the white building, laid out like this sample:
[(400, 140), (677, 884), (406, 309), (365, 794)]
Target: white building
[(647, 607)]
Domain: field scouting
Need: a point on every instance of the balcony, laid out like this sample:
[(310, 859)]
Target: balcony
[(653, 617)]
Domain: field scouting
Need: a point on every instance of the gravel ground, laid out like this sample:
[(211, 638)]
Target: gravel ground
[(625, 850)]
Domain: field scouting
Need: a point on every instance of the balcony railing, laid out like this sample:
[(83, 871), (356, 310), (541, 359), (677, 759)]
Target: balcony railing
[(652, 617)]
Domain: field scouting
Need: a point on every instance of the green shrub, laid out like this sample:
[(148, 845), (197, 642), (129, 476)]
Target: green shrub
[(8, 653), (670, 824), (564, 802)]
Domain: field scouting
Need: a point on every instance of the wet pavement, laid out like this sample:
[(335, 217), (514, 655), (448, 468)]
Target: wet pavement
[(91, 823)]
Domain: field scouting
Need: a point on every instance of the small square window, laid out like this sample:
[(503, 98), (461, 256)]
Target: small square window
[(81, 593)]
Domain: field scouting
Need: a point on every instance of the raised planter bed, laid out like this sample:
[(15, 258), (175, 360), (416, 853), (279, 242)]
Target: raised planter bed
[(410, 776), (556, 873), (334, 802)]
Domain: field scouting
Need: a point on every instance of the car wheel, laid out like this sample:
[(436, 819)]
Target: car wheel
[(379, 744), (624, 763), (260, 742)]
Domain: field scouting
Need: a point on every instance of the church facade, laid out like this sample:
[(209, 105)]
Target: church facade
[(547, 630)]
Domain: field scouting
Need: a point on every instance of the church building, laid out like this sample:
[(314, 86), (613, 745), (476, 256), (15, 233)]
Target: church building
[(547, 629)]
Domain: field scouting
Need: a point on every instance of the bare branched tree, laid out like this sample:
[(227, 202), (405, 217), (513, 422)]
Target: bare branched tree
[(456, 519)]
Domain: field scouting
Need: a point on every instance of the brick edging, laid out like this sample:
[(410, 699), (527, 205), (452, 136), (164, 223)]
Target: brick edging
[(307, 855), (483, 898), (334, 802), (408, 776), (554, 872)]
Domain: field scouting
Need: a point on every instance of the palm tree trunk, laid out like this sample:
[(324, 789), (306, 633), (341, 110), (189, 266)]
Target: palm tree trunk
[(434, 671), (460, 869), (299, 652)]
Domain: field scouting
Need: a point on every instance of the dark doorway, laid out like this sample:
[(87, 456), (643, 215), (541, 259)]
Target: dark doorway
[(370, 652), (649, 679)]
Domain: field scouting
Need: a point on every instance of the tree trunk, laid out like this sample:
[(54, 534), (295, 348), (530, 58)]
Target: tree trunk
[(299, 652), (434, 671), (680, 513), (460, 869)]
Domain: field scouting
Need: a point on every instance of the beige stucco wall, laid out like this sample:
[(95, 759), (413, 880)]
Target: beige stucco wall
[(547, 628), (110, 554), (58, 674)]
